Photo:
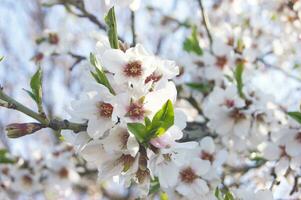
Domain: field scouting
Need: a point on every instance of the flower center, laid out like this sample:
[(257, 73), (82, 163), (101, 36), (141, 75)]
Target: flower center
[(207, 156), (5, 171), (133, 69), (153, 77), (167, 157), (27, 180), (53, 38), (136, 111), (237, 115), (105, 110), (298, 137), (221, 61), (142, 174), (187, 175), (229, 103), (124, 139), (127, 161), (63, 173)]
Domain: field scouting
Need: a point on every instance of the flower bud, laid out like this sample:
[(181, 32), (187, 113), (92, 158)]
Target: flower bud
[(16, 130)]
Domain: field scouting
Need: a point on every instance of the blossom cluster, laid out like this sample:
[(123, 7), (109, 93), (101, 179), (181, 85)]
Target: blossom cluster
[(135, 107), (51, 173), (139, 92)]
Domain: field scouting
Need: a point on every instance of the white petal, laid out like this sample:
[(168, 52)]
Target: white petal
[(184, 189), (201, 187), (293, 148), (207, 144), (201, 167), (97, 127), (114, 60), (282, 166)]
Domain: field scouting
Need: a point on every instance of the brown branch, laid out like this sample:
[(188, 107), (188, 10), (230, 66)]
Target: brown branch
[(133, 28), (54, 124), (206, 23), (295, 187), (78, 59), (278, 69)]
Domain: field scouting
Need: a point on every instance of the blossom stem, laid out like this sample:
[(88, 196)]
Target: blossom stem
[(54, 124)]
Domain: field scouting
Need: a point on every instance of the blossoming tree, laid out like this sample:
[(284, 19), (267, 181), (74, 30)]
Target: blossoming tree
[(189, 121)]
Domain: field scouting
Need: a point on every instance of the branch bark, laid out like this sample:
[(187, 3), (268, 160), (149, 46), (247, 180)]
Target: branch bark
[(54, 124)]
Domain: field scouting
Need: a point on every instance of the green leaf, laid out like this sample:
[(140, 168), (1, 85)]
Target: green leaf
[(238, 77), (99, 74), (218, 194), (202, 87), (139, 130), (154, 186), (1, 58), (110, 20), (94, 61), (191, 44), (147, 122), (228, 196), (163, 119), (36, 86), (296, 116), (30, 94), (4, 158)]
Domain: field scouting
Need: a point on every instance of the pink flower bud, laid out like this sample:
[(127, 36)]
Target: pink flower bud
[(16, 130)]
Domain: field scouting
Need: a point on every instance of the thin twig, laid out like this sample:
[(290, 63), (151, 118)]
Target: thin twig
[(133, 28), (54, 124), (295, 187), (278, 69), (206, 23), (80, 6), (78, 59)]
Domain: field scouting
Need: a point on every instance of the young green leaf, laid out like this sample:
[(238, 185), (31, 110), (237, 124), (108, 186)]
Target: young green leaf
[(163, 119), (1, 58), (218, 194), (147, 122), (110, 20), (99, 74), (94, 61), (202, 87), (228, 196), (238, 77), (154, 186), (36, 86), (296, 116), (191, 44), (4, 158), (139, 130)]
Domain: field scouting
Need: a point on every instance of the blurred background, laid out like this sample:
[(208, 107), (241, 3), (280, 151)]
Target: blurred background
[(58, 35)]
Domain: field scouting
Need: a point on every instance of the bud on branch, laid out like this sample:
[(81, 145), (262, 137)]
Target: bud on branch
[(16, 130)]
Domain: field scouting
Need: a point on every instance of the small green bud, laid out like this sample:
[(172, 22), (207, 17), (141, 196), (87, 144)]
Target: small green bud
[(17, 130)]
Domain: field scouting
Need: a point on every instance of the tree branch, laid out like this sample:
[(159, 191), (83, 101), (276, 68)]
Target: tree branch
[(54, 124), (80, 6), (133, 28), (206, 23), (78, 59), (278, 69)]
